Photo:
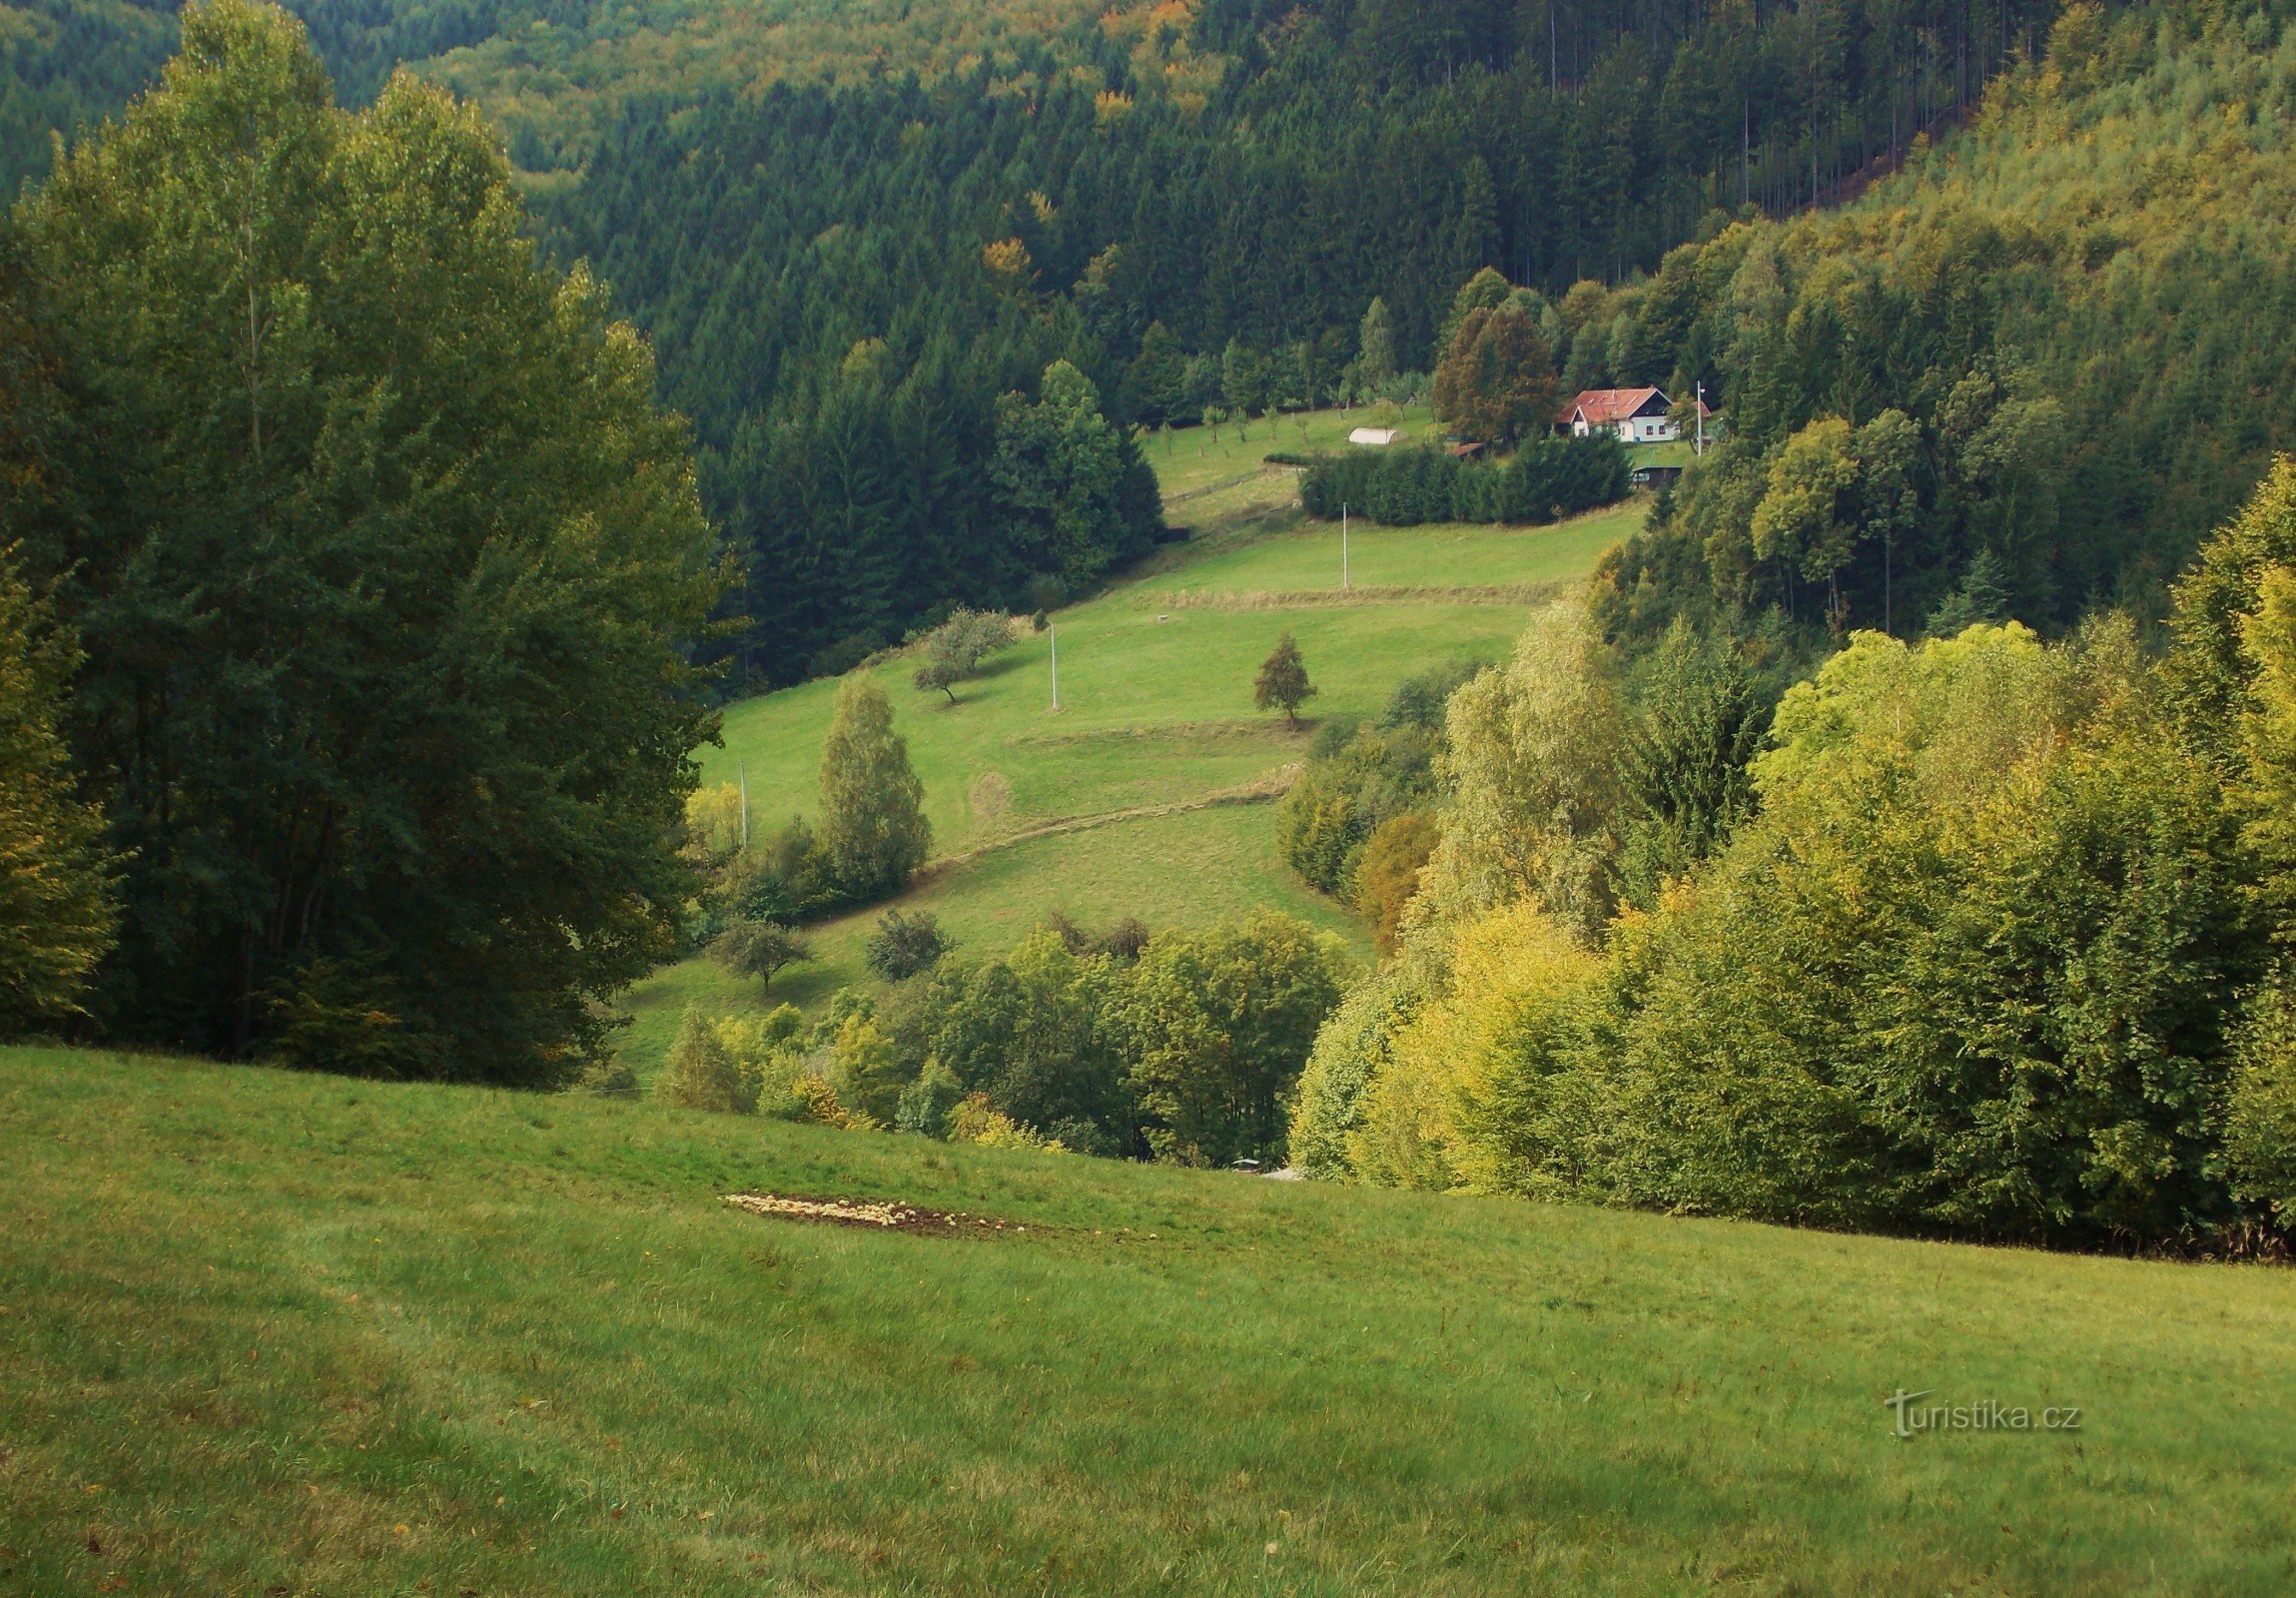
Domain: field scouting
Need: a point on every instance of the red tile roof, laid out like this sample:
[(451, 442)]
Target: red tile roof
[(1607, 408)]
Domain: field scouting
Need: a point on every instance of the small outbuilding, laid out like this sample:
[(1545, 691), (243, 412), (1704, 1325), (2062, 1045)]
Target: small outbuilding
[(1374, 437)]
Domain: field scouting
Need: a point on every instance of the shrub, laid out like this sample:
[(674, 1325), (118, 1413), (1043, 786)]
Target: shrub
[(1346, 795), (927, 1103), (1387, 874), (903, 946), (975, 1120), (608, 1079), (700, 1073)]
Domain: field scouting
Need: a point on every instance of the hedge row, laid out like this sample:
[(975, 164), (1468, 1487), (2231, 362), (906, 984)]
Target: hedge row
[(1544, 479)]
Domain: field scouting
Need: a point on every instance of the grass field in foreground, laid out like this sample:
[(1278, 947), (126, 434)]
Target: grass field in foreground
[(273, 1333)]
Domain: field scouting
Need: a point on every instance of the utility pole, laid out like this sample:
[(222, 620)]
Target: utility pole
[(1342, 546), (1700, 450), (743, 769), (1054, 629)]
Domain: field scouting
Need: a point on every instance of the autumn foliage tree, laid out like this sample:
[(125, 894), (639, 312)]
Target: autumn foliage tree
[(1497, 382), (1282, 680), (57, 909)]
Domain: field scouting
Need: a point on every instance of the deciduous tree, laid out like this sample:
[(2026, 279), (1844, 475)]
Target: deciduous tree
[(873, 826), (388, 577), (1282, 680)]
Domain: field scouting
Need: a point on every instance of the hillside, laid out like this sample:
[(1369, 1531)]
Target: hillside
[(264, 1331), (1148, 794)]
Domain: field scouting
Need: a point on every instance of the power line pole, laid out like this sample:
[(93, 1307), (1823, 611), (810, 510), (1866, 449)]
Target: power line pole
[(1056, 632), (1700, 420), (743, 769), (1342, 546)]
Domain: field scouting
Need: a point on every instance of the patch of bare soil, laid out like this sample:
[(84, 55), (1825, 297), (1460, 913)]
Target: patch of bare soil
[(884, 1215)]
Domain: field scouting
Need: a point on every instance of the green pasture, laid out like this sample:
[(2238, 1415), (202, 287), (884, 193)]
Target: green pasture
[(1157, 718), (1189, 461), (1183, 869), (264, 1333)]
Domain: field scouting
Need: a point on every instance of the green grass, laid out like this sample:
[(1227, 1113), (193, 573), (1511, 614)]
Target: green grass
[(1444, 556), (1190, 459), (1679, 452), (1157, 715), (266, 1333)]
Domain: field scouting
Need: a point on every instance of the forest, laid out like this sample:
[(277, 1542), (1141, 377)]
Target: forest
[(844, 269)]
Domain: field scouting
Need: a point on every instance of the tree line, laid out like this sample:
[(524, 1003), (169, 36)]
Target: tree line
[(1177, 1046), (1977, 936), (383, 574)]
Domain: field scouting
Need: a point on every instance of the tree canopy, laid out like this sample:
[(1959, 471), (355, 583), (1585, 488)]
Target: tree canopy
[(388, 570)]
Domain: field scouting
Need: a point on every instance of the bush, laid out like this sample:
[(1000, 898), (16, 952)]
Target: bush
[(905, 946), (927, 1103), (975, 1120), (1323, 822), (608, 1079), (1387, 875)]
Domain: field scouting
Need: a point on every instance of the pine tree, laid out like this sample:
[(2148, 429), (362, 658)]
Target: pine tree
[(1283, 680)]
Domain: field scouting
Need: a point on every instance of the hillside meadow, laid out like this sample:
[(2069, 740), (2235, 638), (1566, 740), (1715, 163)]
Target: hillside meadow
[(273, 1333), (1148, 794)]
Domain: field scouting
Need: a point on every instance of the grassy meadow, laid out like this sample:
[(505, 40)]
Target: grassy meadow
[(1148, 793), (262, 1332)]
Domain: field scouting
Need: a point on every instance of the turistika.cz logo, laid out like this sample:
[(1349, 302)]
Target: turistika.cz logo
[(1915, 1417)]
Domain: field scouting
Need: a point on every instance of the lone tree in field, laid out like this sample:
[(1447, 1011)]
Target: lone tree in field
[(955, 649), (758, 948), (1283, 681), (872, 822)]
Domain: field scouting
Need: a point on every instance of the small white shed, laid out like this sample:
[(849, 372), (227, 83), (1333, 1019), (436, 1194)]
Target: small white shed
[(1374, 435)]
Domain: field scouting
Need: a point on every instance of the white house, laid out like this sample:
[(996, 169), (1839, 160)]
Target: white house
[(1375, 435), (1637, 416)]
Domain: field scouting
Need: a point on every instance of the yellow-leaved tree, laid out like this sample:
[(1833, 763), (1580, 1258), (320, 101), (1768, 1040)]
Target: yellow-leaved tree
[(56, 908)]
